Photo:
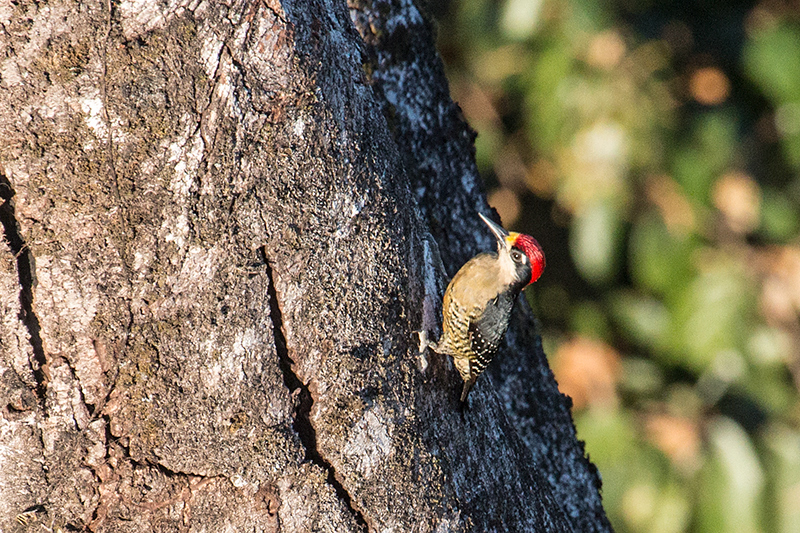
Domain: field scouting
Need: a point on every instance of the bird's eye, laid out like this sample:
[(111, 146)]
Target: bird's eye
[(516, 256)]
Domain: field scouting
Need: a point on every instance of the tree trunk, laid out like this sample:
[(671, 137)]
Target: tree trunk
[(222, 225)]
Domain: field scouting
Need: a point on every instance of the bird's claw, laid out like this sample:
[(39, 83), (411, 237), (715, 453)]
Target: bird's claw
[(423, 342)]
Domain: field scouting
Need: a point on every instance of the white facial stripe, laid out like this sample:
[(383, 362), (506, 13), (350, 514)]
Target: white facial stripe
[(508, 269)]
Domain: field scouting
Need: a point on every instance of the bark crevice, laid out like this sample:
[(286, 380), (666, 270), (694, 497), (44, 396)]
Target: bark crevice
[(302, 419), (26, 272), (104, 96), (190, 482)]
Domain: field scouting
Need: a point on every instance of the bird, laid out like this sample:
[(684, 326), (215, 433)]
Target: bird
[(477, 303)]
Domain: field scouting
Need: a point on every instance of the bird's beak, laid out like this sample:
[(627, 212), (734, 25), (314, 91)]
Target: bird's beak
[(499, 233)]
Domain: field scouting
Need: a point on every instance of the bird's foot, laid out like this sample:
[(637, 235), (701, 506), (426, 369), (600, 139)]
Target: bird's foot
[(422, 341), (422, 349)]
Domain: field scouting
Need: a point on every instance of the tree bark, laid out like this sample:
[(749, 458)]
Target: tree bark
[(222, 224)]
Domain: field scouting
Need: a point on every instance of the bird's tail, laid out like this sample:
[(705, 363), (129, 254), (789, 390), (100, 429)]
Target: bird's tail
[(467, 386)]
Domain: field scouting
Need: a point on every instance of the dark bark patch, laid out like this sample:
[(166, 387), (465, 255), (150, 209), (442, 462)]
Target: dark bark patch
[(302, 420), (26, 270)]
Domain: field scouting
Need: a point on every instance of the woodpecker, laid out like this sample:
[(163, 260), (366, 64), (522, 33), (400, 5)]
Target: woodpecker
[(478, 301)]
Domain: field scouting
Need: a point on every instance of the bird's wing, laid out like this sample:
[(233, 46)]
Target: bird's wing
[(487, 331)]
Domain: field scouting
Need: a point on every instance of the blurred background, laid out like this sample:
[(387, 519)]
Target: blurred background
[(653, 148)]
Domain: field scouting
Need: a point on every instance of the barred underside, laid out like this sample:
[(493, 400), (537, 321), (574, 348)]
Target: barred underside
[(472, 337)]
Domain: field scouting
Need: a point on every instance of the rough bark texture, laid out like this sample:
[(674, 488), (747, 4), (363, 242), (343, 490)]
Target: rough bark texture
[(222, 224)]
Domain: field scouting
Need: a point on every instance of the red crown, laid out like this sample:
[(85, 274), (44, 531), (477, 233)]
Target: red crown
[(531, 248)]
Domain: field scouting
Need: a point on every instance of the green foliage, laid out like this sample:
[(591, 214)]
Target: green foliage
[(674, 163), (706, 154), (734, 482), (782, 460), (708, 315), (779, 217), (595, 239), (766, 61), (644, 321), (660, 260)]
